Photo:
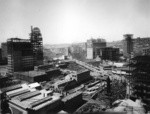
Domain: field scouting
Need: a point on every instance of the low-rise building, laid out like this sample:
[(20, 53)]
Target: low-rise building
[(43, 67), (72, 101), (32, 76), (37, 76), (83, 76), (27, 100), (65, 85)]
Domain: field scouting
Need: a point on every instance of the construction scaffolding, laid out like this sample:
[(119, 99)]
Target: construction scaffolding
[(37, 43)]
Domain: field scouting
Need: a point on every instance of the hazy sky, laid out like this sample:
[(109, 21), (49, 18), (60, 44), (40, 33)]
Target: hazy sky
[(67, 21)]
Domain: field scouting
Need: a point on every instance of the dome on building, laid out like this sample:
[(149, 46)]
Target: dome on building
[(36, 29)]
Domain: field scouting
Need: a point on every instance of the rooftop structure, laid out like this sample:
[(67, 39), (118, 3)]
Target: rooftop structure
[(11, 88), (37, 75), (43, 67), (71, 96), (60, 83), (32, 76), (33, 73), (27, 101)]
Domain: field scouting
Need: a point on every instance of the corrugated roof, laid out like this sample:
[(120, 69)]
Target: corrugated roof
[(11, 88), (86, 70), (32, 73), (19, 93), (33, 104), (69, 97), (29, 95)]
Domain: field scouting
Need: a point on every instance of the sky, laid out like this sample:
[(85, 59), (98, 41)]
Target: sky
[(70, 21)]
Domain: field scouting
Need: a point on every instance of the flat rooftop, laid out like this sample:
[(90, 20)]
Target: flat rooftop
[(33, 100), (11, 88), (82, 71), (59, 82), (71, 96), (18, 88), (32, 73)]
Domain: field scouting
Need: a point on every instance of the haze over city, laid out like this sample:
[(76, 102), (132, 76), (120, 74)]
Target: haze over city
[(68, 21)]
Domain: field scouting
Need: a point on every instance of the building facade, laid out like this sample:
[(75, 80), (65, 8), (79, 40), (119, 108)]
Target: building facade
[(127, 45), (20, 55), (110, 53), (3, 53), (135, 47), (146, 51), (94, 48), (4, 50), (37, 43), (141, 46), (140, 78)]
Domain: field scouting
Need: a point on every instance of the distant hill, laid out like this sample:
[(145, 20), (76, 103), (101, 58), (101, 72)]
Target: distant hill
[(56, 45), (117, 44)]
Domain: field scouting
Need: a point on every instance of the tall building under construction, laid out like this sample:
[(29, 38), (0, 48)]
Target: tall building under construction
[(24, 54), (37, 43), (20, 55)]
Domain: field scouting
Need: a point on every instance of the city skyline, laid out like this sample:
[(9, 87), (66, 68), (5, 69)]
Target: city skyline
[(68, 21)]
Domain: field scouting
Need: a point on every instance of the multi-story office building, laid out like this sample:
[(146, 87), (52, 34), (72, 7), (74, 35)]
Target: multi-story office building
[(94, 48), (140, 79), (4, 50), (128, 45), (140, 45), (20, 55), (25, 99), (110, 53), (146, 51), (135, 47), (37, 43)]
